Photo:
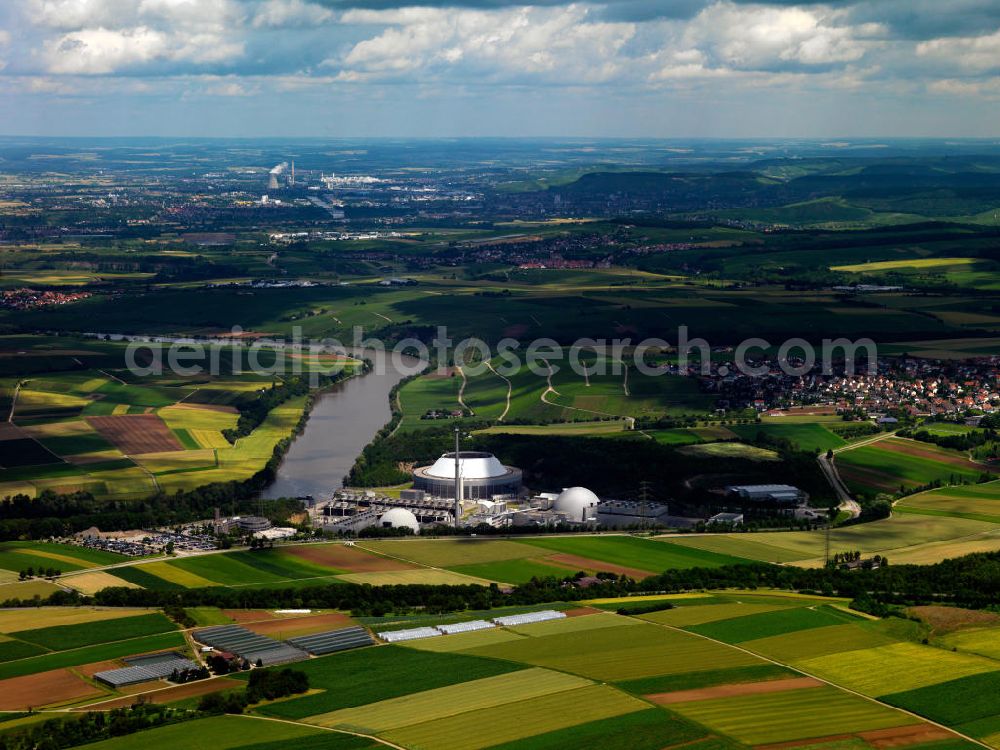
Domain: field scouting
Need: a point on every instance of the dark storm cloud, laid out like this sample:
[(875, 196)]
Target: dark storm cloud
[(929, 19)]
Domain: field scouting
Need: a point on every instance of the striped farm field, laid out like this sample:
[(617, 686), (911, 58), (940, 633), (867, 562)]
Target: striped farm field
[(64, 637), (514, 571), (887, 465), (353, 679), (346, 559), (225, 570), (738, 545), (630, 552), (898, 666), (889, 536), (413, 577), (806, 644), (621, 653), (767, 624), (209, 438), (982, 641), (687, 615), (651, 729), (175, 574), (94, 581), (17, 556), (525, 718), (477, 695), (12, 620), (969, 702), (232, 732), (792, 715), (976, 501)]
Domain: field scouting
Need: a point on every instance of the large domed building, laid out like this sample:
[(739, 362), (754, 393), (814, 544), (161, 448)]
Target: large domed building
[(482, 476), (578, 504)]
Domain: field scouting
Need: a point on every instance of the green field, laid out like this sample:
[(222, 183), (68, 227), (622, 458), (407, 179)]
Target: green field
[(804, 436), (231, 732), (90, 654), (651, 729), (955, 701), (978, 502), (767, 624), (904, 537), (18, 556), (65, 637), (894, 464)]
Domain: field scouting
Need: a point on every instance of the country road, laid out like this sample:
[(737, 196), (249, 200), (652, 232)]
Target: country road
[(829, 468)]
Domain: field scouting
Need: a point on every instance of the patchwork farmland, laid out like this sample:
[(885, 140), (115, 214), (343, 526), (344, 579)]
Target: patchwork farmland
[(92, 426), (715, 671)]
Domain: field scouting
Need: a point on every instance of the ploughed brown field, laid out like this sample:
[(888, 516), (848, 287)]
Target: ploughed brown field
[(135, 434), (170, 694), (585, 563), (346, 558), (950, 619), (43, 689), (288, 627)]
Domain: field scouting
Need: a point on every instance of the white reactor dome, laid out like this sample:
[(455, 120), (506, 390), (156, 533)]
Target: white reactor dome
[(472, 465), (399, 518), (576, 502)]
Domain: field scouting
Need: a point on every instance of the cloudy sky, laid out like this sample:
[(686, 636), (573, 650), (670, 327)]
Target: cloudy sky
[(672, 68)]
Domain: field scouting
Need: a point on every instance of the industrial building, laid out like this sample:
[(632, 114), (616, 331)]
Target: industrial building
[(775, 494), (480, 476)]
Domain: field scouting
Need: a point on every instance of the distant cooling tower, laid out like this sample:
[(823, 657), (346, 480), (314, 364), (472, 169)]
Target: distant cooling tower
[(272, 183)]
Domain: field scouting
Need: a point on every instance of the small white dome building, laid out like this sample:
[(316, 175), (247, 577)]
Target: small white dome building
[(578, 503), (399, 518)]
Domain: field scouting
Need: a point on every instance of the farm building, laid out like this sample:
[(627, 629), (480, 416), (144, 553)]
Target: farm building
[(482, 476)]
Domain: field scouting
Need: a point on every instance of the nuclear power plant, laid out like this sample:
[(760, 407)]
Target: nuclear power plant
[(472, 489)]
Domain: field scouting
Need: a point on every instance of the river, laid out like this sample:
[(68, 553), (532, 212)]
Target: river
[(342, 422)]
